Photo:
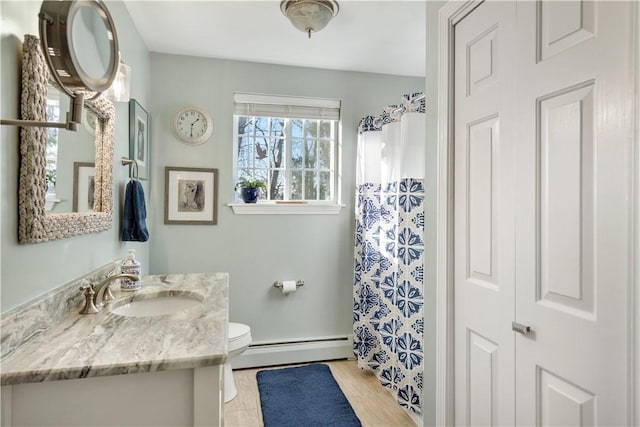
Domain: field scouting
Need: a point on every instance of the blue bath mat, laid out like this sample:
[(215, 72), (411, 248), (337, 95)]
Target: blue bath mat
[(303, 396)]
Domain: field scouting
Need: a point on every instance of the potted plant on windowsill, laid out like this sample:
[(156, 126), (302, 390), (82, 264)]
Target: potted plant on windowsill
[(250, 189)]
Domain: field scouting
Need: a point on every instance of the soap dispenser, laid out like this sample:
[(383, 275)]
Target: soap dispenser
[(130, 266)]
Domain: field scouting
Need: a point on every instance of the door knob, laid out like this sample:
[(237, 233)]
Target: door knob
[(520, 328)]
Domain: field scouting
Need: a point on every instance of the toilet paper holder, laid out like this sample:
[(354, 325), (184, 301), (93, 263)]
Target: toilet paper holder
[(278, 284)]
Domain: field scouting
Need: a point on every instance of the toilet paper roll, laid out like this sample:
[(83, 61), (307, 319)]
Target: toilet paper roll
[(288, 286)]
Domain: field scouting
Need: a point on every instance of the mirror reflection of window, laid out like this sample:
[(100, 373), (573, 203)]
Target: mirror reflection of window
[(62, 149), (53, 115)]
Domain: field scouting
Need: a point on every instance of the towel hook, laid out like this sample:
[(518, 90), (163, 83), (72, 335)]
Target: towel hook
[(127, 161)]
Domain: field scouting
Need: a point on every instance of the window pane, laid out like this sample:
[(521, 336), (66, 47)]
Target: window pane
[(296, 185), (310, 185), (245, 151), (245, 125), (325, 129), (277, 128), (278, 153), (324, 186), (311, 128), (296, 153), (262, 175), (324, 155), (310, 153), (245, 173), (261, 153), (262, 126), (51, 152), (276, 184), (296, 128)]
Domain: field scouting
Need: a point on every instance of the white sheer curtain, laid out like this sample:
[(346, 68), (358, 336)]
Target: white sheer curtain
[(391, 146), (388, 255)]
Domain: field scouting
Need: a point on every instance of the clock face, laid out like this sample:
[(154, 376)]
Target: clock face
[(192, 125)]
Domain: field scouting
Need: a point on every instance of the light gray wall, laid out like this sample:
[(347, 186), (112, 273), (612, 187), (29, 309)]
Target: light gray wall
[(431, 167), (28, 271), (258, 250)]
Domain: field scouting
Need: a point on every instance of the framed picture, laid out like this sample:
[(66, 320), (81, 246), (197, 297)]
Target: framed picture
[(191, 195), (84, 185), (139, 129)]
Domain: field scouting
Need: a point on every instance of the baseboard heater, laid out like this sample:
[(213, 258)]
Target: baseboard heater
[(277, 352)]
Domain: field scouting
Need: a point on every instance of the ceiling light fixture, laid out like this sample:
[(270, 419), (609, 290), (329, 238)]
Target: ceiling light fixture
[(309, 15)]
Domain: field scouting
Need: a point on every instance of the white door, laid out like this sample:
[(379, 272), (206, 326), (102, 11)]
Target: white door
[(484, 220), (542, 217), (574, 133)]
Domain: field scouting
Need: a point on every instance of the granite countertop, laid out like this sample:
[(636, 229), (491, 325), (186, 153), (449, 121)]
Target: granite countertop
[(81, 346)]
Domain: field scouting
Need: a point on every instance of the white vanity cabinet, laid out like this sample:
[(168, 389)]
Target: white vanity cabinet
[(113, 370), (181, 397)]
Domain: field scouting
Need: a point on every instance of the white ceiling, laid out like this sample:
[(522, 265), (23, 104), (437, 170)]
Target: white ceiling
[(372, 36)]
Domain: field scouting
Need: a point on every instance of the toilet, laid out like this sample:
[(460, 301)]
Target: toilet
[(239, 340)]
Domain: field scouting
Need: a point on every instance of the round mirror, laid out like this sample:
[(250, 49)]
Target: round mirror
[(90, 39), (80, 44)]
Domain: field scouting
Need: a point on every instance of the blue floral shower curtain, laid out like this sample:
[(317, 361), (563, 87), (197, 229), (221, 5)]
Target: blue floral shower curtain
[(388, 268)]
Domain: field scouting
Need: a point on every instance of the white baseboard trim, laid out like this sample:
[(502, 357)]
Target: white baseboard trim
[(272, 353)]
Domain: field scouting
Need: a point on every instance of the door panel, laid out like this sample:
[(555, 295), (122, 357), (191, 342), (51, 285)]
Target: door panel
[(484, 250), (565, 147), (563, 24), (572, 213), (481, 231), (482, 60), (562, 403), (542, 161), (482, 367)]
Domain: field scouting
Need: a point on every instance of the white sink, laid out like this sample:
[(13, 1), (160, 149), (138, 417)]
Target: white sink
[(157, 305)]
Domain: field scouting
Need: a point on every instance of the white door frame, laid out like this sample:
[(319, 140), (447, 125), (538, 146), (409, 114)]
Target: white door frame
[(450, 14), (635, 227)]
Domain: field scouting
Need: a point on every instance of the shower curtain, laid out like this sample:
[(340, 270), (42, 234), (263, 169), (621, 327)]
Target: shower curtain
[(388, 268)]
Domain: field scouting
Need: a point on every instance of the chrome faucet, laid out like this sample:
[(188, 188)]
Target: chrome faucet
[(97, 296)]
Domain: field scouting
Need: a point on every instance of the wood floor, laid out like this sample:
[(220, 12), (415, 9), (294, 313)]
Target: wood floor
[(372, 403)]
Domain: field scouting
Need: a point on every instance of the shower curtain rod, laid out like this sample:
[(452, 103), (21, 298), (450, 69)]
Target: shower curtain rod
[(416, 99), (398, 110)]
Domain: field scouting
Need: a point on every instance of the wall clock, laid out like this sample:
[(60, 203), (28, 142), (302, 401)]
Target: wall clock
[(192, 125)]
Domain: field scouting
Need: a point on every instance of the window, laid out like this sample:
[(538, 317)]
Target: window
[(51, 153), (288, 143)]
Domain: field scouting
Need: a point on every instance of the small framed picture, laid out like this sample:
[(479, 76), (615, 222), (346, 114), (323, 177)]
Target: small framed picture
[(84, 186), (139, 129), (191, 195)]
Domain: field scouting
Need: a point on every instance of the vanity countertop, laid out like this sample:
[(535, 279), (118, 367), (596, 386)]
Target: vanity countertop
[(81, 346)]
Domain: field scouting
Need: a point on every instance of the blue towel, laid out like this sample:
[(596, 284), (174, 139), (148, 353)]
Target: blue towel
[(134, 226)]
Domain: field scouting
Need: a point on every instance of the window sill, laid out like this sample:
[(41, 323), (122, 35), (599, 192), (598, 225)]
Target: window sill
[(269, 208)]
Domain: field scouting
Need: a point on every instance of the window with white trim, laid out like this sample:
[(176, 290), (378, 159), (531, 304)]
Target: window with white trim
[(289, 143)]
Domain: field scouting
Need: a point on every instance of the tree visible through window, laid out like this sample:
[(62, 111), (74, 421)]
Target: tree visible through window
[(295, 157)]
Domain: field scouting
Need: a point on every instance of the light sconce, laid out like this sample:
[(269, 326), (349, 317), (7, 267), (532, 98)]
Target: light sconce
[(120, 89), (309, 15)]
